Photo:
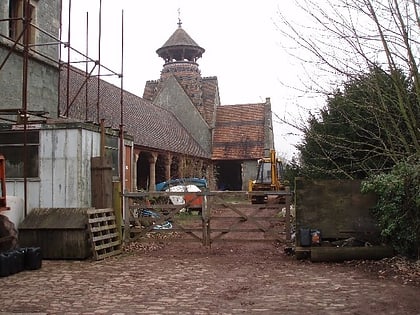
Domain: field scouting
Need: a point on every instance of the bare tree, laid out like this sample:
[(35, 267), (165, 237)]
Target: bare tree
[(337, 41)]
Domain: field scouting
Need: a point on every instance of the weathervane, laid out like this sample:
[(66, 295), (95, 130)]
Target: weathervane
[(179, 18)]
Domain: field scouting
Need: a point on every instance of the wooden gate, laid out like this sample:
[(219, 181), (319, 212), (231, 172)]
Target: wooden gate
[(221, 216)]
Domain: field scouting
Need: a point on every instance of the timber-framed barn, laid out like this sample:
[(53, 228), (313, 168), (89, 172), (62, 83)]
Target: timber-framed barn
[(55, 114), (179, 127)]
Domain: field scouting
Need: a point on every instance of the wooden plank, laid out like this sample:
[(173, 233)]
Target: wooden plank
[(337, 254), (267, 219), (110, 254), (102, 219), (105, 237), (107, 245), (103, 228), (99, 211), (101, 183), (242, 230), (157, 206), (242, 240)]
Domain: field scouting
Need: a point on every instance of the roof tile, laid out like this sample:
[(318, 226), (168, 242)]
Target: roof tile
[(150, 125), (239, 132)]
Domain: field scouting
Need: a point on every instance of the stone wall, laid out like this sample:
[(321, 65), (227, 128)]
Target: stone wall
[(42, 84), (42, 72), (173, 98), (47, 20)]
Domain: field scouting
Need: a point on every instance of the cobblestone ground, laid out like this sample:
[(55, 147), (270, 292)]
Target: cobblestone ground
[(188, 279)]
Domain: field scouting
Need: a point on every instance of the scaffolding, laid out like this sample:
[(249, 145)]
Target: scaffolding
[(21, 44)]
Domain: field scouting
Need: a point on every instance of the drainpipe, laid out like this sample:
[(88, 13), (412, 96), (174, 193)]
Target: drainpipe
[(26, 24), (102, 148)]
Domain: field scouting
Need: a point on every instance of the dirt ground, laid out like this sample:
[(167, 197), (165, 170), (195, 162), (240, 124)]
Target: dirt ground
[(175, 277), (170, 275), (399, 269)]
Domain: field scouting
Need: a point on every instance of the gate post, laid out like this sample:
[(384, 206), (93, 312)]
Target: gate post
[(287, 218), (205, 218), (126, 218)]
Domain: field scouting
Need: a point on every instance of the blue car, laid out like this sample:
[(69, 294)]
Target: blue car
[(199, 182)]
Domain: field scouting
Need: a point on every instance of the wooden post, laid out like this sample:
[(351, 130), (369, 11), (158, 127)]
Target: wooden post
[(101, 171), (118, 206), (134, 185), (287, 218), (338, 254), (126, 218), (3, 203), (205, 218)]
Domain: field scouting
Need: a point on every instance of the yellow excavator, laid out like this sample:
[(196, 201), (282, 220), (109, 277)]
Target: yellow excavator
[(269, 178)]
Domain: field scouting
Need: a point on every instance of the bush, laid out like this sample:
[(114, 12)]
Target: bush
[(398, 207)]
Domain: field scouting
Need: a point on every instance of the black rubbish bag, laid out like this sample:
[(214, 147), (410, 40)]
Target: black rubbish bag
[(4, 265), (13, 262), (33, 258), (20, 259)]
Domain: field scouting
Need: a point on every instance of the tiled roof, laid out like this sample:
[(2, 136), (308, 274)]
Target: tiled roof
[(180, 38), (151, 126), (239, 129), (180, 46), (239, 132)]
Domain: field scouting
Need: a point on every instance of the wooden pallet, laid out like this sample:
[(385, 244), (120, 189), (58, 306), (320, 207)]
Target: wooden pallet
[(103, 231)]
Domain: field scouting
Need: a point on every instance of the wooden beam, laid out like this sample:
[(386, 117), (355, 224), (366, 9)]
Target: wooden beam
[(338, 254)]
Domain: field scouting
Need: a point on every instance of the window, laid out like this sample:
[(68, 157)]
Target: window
[(12, 148), (111, 152), (17, 9)]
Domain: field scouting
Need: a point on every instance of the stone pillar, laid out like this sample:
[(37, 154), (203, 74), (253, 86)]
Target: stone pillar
[(181, 166), (201, 166), (211, 180), (152, 171), (167, 163)]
